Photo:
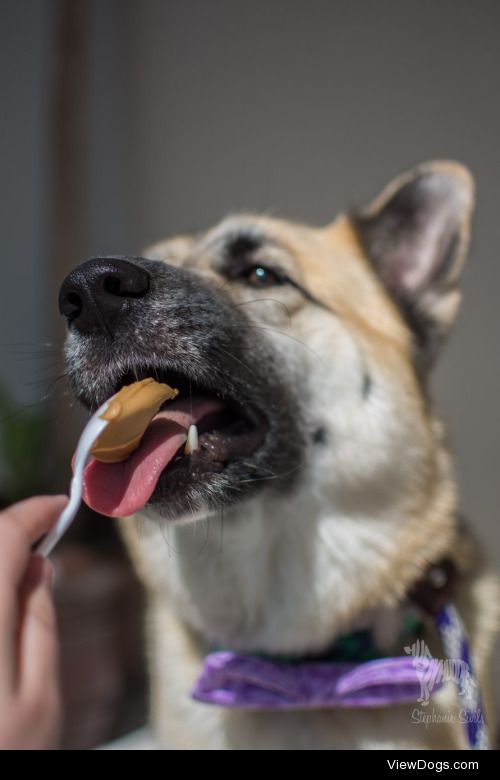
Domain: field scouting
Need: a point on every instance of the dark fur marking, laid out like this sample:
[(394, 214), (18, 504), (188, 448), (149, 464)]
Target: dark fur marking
[(367, 385), (242, 244), (320, 436)]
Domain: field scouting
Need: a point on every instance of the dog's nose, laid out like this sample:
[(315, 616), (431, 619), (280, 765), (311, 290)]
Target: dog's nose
[(100, 292)]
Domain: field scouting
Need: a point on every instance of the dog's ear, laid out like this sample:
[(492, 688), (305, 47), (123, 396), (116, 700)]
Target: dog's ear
[(416, 235)]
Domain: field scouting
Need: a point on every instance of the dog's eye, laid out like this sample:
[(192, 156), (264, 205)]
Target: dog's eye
[(259, 276)]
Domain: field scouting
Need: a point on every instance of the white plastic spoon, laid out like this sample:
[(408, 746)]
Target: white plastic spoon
[(91, 433)]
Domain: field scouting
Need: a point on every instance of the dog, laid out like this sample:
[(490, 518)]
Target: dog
[(322, 488)]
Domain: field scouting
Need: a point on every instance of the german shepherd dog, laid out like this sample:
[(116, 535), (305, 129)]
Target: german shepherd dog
[(321, 489)]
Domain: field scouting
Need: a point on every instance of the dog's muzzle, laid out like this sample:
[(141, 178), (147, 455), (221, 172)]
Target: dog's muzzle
[(131, 318)]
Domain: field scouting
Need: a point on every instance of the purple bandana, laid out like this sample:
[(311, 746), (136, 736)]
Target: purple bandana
[(251, 683)]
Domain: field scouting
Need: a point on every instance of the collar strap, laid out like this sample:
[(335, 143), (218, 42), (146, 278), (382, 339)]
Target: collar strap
[(457, 666)]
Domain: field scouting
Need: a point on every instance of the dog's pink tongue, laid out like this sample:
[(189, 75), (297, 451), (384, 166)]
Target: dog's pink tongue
[(121, 489)]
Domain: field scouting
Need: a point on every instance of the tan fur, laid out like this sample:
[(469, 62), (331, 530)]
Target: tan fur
[(332, 264)]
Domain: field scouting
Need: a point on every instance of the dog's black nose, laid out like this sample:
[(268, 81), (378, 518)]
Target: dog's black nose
[(100, 292)]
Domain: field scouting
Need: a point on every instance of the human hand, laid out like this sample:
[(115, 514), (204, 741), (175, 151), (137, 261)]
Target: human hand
[(30, 702)]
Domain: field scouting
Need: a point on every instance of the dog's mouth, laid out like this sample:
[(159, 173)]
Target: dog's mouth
[(228, 431)]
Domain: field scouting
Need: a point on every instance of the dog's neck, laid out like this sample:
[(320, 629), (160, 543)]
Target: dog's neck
[(285, 575)]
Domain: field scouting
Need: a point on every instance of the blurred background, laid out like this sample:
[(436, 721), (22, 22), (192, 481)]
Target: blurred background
[(126, 120)]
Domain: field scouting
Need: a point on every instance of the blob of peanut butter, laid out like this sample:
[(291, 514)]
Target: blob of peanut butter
[(129, 413)]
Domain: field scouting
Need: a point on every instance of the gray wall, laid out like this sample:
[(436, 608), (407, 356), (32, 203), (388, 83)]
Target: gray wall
[(194, 108), (26, 71)]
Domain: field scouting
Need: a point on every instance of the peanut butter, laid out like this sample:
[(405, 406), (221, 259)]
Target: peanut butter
[(129, 413)]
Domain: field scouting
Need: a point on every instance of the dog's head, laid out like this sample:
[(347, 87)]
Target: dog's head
[(302, 353)]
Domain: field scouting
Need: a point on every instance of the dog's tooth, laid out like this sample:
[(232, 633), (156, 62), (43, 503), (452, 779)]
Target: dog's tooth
[(192, 442)]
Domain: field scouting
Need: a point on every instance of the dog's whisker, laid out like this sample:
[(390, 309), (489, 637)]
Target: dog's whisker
[(248, 325), (165, 533), (267, 300), (274, 476), (288, 335), (32, 357), (203, 307), (40, 382), (221, 531), (257, 467), (237, 360), (30, 346), (205, 540)]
